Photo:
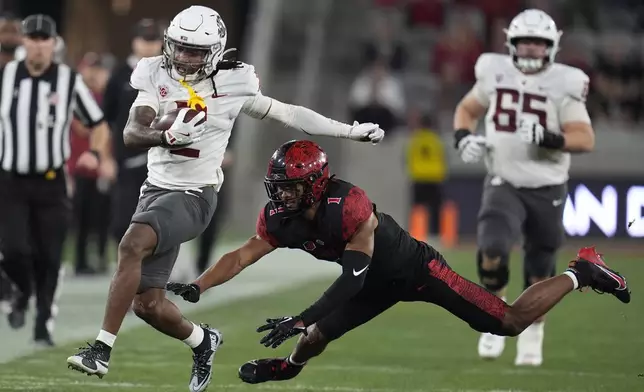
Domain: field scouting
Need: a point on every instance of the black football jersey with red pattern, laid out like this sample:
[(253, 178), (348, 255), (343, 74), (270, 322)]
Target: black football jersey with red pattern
[(342, 209)]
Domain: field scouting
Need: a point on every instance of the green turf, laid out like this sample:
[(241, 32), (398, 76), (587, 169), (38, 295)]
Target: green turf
[(593, 343)]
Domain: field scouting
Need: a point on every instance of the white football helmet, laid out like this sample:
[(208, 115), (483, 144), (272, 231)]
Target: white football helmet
[(537, 24), (194, 43)]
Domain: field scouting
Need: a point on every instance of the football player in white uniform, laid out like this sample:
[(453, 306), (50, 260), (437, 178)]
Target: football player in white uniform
[(184, 174), (535, 116)]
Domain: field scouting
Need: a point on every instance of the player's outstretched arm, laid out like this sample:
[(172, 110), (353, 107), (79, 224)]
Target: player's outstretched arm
[(355, 263), (231, 264), (137, 132), (228, 266), (306, 120)]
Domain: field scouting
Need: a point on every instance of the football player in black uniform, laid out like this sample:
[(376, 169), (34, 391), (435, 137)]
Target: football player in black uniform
[(381, 263)]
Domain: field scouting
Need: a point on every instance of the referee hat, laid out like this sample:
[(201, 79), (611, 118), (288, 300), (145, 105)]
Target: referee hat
[(39, 26)]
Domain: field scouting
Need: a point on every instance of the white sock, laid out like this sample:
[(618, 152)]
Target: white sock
[(572, 277), (196, 337), (106, 337), (292, 362)]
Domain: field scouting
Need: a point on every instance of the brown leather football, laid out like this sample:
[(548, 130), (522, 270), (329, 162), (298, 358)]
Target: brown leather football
[(165, 122)]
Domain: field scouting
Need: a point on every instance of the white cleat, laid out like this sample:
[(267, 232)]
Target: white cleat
[(530, 346), (202, 362), (491, 346)]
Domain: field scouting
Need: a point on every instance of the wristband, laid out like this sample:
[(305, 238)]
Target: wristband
[(553, 140), (459, 135)]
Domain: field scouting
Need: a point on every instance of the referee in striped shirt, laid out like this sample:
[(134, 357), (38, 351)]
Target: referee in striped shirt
[(38, 98)]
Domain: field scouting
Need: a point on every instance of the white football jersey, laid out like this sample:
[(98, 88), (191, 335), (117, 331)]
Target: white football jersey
[(552, 97), (198, 164)]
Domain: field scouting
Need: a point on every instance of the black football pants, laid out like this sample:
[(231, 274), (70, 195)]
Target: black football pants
[(434, 282), (33, 227)]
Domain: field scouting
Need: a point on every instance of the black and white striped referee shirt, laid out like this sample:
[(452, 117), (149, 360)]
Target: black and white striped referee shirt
[(35, 116)]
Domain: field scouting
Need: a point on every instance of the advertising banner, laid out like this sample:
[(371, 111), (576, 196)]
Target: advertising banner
[(595, 208)]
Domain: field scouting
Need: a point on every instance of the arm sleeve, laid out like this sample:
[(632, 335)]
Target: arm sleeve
[(354, 271), (142, 82), (86, 109), (357, 209), (303, 119), (262, 231)]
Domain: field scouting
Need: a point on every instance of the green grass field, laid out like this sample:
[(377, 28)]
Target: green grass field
[(593, 343)]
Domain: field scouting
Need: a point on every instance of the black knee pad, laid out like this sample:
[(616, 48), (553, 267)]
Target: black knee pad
[(539, 263), (493, 280)]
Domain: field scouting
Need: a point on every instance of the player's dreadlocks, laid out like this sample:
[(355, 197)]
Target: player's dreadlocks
[(224, 64)]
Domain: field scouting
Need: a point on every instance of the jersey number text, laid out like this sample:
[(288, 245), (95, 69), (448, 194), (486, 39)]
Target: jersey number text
[(505, 113)]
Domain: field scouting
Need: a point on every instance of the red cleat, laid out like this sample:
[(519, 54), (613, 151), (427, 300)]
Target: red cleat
[(591, 266)]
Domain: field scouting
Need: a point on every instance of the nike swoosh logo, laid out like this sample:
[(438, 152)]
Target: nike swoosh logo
[(620, 281), (184, 134), (356, 273), (102, 363)]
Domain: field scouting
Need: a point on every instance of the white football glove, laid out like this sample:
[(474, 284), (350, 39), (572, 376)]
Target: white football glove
[(182, 134), (367, 132), (472, 148), (531, 132)]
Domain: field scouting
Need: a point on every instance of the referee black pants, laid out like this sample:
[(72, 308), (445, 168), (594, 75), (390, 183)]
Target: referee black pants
[(33, 226)]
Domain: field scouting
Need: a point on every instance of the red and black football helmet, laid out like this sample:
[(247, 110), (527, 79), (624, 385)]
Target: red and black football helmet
[(298, 174)]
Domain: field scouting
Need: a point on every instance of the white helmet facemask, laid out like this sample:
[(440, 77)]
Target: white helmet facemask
[(194, 43), (535, 25)]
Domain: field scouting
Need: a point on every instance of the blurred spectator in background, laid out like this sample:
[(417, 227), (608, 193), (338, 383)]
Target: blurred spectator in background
[(10, 37), (618, 79), (377, 96), (427, 13), (91, 194), (426, 168), (132, 164), (454, 58), (383, 45)]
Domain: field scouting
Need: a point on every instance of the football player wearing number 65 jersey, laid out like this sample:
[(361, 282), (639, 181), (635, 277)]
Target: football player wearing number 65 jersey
[(179, 197), (535, 117)]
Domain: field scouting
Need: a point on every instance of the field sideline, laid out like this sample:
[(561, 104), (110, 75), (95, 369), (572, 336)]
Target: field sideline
[(593, 343)]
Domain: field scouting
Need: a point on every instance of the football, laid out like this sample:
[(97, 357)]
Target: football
[(165, 122)]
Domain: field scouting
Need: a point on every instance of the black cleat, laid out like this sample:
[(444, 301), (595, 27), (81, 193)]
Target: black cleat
[(272, 369), (91, 360), (42, 338), (202, 361), (16, 318), (594, 272)]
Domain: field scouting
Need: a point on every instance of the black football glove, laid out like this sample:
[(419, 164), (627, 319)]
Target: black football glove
[(282, 328), (189, 292)]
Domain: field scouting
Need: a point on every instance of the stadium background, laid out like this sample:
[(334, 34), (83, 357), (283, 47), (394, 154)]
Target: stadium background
[(319, 53)]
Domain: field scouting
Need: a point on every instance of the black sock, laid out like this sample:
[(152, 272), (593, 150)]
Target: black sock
[(103, 347), (205, 343)]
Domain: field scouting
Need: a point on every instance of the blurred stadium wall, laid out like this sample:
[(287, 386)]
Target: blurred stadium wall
[(309, 53)]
